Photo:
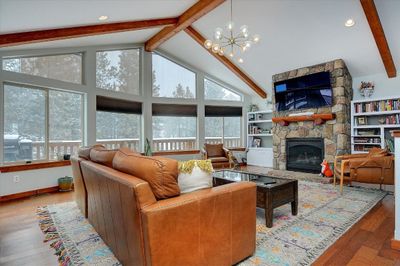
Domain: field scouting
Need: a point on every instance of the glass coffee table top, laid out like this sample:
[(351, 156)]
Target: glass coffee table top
[(237, 176)]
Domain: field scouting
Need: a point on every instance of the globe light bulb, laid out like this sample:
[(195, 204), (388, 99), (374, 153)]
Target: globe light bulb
[(240, 60), (215, 48), (244, 48), (244, 29), (230, 25), (231, 54), (248, 44), (256, 38), (218, 31), (221, 52), (208, 44)]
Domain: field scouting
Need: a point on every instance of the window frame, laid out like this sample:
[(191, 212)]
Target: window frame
[(169, 58), (141, 68), (81, 53), (47, 118), (206, 77)]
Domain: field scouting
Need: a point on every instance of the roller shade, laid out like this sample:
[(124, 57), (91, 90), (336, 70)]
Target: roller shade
[(226, 111), (107, 104), (160, 109)]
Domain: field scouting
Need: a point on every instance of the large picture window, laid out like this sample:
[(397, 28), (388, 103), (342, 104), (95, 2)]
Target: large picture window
[(172, 80), (40, 124), (118, 70), (118, 123), (174, 127), (223, 125), (66, 67), (214, 91)]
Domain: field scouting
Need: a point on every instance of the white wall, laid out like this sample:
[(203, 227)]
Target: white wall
[(384, 86), (32, 179)]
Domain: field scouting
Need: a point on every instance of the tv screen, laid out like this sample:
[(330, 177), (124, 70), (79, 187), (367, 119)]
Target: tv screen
[(311, 91)]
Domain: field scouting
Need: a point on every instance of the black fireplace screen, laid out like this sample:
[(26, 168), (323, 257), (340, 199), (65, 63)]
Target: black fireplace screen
[(304, 154)]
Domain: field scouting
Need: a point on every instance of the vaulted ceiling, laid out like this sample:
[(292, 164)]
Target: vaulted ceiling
[(294, 33)]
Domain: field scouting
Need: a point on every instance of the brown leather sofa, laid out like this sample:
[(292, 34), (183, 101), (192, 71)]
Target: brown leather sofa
[(220, 157), (375, 167), (134, 203)]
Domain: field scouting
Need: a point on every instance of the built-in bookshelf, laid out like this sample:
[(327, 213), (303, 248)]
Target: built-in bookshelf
[(371, 123), (259, 138), (259, 129)]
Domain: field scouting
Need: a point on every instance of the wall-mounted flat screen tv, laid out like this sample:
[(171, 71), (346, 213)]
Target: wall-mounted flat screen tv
[(310, 91)]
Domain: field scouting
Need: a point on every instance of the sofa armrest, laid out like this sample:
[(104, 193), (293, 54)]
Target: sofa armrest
[(215, 226)]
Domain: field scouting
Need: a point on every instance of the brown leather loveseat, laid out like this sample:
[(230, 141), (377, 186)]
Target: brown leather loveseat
[(134, 203)]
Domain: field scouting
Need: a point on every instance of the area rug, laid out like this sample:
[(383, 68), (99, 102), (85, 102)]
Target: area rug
[(323, 216), (75, 241)]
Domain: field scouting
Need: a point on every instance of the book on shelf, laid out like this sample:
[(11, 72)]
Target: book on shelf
[(377, 106), (390, 145), (363, 140)]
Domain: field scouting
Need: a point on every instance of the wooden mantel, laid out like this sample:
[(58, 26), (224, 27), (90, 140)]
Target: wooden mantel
[(317, 118)]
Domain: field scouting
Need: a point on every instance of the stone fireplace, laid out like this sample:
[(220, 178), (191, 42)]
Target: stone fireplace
[(333, 135)]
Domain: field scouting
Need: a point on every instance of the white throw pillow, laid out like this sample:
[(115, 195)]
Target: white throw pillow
[(198, 179)]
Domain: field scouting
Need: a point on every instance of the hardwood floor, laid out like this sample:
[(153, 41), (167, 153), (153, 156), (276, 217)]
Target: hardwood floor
[(21, 241), (366, 243)]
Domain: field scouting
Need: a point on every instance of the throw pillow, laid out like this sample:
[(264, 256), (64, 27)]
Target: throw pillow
[(195, 175)]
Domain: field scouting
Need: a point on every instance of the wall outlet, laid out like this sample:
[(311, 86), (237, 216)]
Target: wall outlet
[(16, 179)]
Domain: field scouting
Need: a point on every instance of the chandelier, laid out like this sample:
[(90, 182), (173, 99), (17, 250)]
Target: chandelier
[(229, 43)]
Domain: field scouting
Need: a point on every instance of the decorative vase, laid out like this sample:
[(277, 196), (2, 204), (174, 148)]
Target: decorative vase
[(65, 183)]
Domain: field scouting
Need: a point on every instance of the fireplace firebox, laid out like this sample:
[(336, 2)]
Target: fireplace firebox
[(304, 154)]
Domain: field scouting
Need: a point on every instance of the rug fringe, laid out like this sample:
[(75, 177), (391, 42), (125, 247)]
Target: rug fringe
[(49, 229)]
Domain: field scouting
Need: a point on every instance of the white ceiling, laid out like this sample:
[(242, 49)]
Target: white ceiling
[(295, 33)]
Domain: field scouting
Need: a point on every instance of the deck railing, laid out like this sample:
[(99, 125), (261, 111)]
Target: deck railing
[(60, 147)]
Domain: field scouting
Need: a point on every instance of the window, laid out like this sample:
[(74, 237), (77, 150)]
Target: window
[(65, 122), (214, 91), (172, 80), (174, 127), (118, 123), (223, 125), (118, 70), (29, 134), (67, 67)]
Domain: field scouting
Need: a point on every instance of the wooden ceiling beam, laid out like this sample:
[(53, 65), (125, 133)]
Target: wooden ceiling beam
[(195, 12), (379, 35), (232, 67), (19, 38)]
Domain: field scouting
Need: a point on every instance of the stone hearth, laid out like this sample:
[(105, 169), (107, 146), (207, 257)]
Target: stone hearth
[(336, 132)]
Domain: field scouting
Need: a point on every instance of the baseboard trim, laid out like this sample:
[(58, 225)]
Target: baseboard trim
[(26, 194), (395, 244)]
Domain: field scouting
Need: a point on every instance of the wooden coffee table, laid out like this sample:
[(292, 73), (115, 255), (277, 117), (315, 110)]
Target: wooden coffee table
[(271, 192)]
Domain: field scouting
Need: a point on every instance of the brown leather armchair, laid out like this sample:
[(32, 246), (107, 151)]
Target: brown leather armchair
[(134, 203), (220, 157), (375, 167)]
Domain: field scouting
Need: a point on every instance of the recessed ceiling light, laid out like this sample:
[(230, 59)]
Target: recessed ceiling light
[(103, 18), (350, 22)]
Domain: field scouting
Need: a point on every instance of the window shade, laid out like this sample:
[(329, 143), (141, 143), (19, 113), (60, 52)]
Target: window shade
[(107, 104), (223, 111), (160, 109)]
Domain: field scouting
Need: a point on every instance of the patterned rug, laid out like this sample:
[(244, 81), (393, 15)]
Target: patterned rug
[(75, 241), (324, 215)]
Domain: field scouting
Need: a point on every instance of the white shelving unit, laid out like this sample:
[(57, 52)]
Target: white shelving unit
[(259, 126), (381, 116)]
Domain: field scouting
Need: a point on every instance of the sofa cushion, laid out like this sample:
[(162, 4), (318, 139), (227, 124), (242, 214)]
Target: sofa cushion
[(161, 173), (102, 155), (377, 152), (214, 150), (84, 152), (219, 159), (195, 175)]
